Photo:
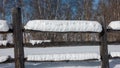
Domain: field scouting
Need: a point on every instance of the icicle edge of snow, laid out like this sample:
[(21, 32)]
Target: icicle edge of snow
[(64, 26)]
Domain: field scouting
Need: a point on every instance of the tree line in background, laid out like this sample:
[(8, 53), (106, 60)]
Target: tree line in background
[(109, 10), (99, 10)]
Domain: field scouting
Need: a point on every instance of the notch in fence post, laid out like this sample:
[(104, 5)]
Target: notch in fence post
[(18, 38), (104, 47)]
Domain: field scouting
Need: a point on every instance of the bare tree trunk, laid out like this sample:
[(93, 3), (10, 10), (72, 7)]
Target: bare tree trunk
[(57, 8), (3, 17), (40, 11)]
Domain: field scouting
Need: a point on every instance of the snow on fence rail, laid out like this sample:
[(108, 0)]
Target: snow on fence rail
[(33, 42), (115, 54), (3, 58), (64, 26), (63, 57), (3, 26), (114, 25)]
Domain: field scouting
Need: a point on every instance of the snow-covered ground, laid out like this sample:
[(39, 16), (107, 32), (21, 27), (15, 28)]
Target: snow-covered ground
[(77, 64), (64, 25), (63, 50)]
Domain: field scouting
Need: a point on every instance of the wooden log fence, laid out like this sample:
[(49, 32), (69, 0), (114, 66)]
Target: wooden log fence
[(18, 38), (104, 47), (19, 46)]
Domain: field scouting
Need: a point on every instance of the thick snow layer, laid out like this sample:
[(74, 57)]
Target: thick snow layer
[(64, 25), (33, 42), (61, 57), (3, 26), (3, 42), (115, 25), (115, 54), (3, 58)]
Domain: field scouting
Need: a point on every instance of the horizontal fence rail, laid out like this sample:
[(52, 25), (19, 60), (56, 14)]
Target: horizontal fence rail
[(62, 44)]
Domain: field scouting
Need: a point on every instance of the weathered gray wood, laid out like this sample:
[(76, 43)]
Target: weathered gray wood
[(58, 32), (61, 44), (110, 30), (18, 38), (104, 48)]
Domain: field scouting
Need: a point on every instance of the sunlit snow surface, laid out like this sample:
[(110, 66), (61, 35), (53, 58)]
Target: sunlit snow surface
[(64, 25), (115, 54), (115, 25), (62, 57), (77, 64), (58, 50), (3, 58)]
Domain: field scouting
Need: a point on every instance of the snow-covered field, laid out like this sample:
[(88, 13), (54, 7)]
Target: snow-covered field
[(94, 64), (62, 50), (77, 64)]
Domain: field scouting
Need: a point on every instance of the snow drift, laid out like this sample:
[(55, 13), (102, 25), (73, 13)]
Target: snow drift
[(3, 26), (115, 25), (3, 58), (64, 25), (62, 57)]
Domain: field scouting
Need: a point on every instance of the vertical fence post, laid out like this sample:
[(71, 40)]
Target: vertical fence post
[(18, 38), (104, 47)]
